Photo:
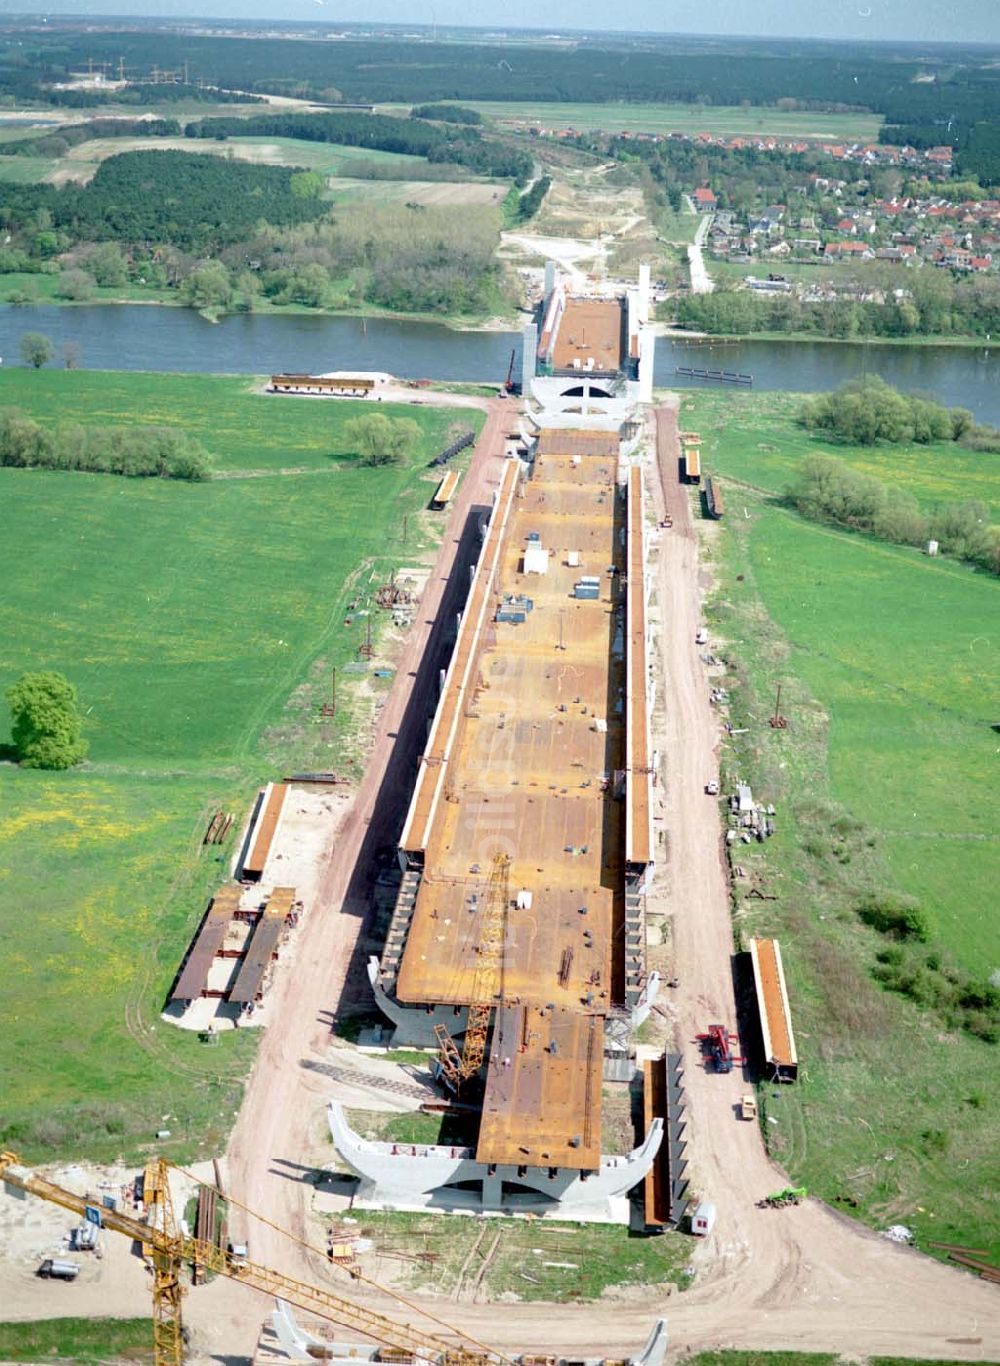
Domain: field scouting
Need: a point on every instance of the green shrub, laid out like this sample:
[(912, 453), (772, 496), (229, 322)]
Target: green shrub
[(901, 917)]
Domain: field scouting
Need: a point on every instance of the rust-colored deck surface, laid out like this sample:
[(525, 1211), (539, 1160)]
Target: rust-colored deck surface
[(267, 825), (522, 759), (211, 933), (542, 1106), (441, 741), (263, 943), (576, 441), (590, 329), (772, 1001), (538, 733), (638, 827)]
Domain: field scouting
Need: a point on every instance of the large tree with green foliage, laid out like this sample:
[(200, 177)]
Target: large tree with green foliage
[(45, 722), (36, 349), (380, 439)]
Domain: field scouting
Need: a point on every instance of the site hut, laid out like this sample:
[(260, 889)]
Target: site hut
[(780, 1057), (335, 384), (539, 751)]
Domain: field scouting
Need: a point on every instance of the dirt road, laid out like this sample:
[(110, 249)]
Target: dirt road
[(701, 282)]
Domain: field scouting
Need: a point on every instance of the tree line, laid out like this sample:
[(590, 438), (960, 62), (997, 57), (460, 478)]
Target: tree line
[(143, 451), (829, 490), (930, 302), (446, 113), (58, 142), (463, 146), (862, 413)]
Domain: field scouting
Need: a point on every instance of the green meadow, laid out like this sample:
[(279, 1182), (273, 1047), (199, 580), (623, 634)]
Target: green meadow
[(899, 651), (197, 622), (754, 438), (884, 783)]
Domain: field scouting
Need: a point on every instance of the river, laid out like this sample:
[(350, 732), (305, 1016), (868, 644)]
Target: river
[(147, 337)]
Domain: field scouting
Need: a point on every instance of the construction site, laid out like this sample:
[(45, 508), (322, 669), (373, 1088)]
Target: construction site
[(517, 943), (495, 888)]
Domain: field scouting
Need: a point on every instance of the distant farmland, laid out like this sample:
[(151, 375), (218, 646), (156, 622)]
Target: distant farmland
[(686, 118)]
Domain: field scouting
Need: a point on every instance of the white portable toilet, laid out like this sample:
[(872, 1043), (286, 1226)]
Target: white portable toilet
[(703, 1220)]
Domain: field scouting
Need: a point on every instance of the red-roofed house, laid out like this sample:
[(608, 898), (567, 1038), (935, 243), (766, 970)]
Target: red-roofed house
[(704, 198), (848, 225)]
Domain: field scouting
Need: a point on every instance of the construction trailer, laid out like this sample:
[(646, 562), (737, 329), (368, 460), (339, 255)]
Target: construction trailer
[(692, 464), (445, 491), (324, 386), (263, 829), (780, 1056), (714, 505)]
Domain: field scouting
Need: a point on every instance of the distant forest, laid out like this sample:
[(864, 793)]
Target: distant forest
[(963, 89), (951, 95), (192, 202)]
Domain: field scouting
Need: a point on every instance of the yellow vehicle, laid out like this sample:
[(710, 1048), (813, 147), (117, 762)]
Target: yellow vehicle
[(748, 1106)]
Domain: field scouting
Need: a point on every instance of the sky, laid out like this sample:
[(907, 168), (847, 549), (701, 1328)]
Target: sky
[(916, 20)]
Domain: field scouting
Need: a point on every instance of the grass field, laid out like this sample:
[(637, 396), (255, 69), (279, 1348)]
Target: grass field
[(685, 118), (77, 1340), (82, 161), (532, 1261), (187, 616), (25, 170), (882, 781), (755, 439), (899, 651), (429, 193)]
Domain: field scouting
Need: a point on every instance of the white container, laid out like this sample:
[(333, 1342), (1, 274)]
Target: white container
[(703, 1220)]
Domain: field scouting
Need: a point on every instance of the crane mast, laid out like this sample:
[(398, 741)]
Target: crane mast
[(171, 1249), (486, 982)]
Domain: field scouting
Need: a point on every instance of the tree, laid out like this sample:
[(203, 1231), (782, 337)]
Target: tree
[(45, 721), (76, 285), (36, 349), (381, 440), (108, 264), (208, 286)]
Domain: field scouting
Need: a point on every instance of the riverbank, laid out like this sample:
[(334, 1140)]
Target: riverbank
[(678, 334), (25, 290)]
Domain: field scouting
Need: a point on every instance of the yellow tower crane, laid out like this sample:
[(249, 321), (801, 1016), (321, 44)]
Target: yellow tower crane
[(457, 1068), (170, 1250)]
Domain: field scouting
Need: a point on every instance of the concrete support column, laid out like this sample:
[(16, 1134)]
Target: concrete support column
[(643, 302), (529, 357), (647, 350)]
